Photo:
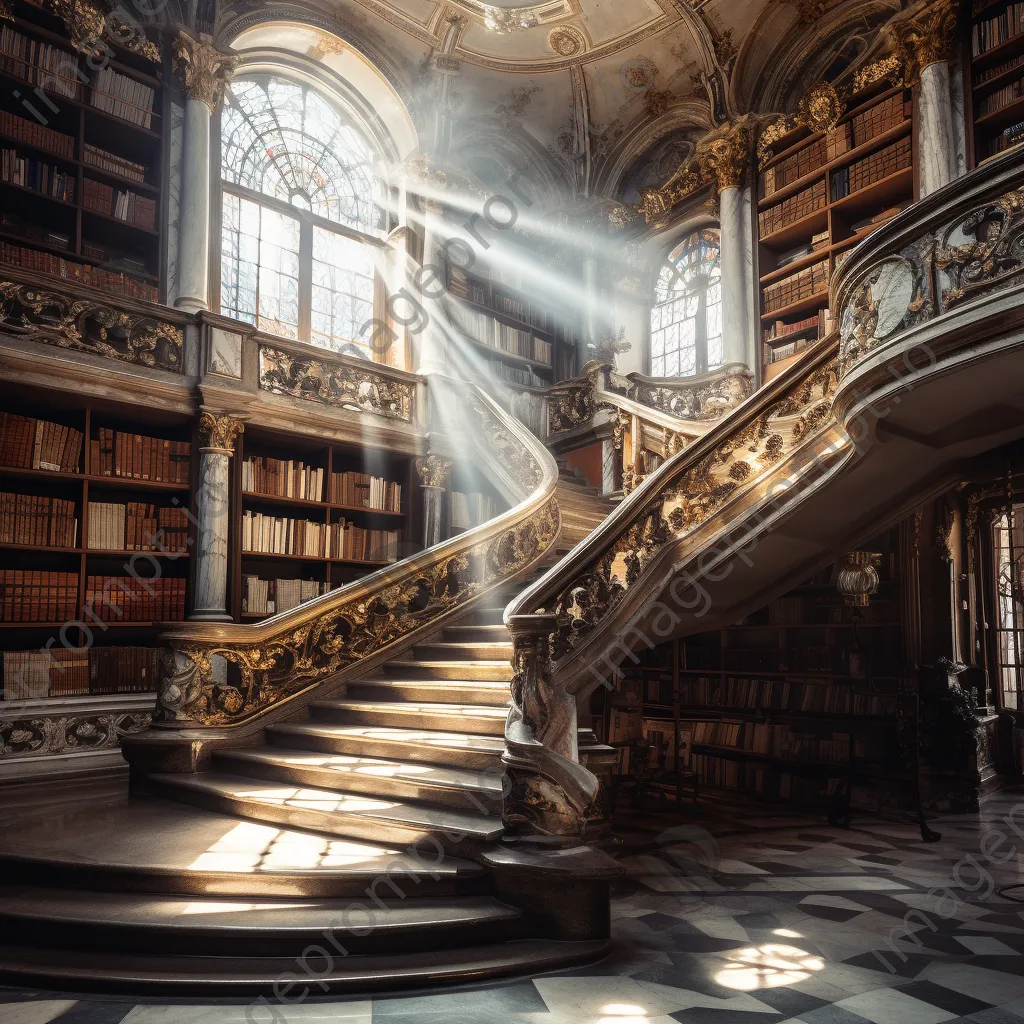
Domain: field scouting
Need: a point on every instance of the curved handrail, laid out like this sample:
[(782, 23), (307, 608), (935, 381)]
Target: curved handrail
[(224, 675)]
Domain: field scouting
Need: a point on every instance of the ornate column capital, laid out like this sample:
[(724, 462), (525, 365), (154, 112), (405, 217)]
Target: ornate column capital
[(927, 36), (434, 470), (202, 68), (725, 154), (218, 432)]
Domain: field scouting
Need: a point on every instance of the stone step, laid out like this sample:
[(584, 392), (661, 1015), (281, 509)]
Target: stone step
[(469, 718), (73, 970), (422, 669), (459, 750), (471, 633), (415, 827), (492, 693), (197, 926), (465, 651), (461, 788)]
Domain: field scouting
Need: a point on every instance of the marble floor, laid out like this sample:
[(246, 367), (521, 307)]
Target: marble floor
[(741, 916)]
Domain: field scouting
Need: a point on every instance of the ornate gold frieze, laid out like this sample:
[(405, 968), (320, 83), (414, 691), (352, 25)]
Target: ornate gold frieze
[(656, 202), (203, 70), (337, 384), (702, 401), (218, 432), (820, 107), (724, 155), (434, 471), (927, 37), (88, 26), (40, 734), (890, 68), (88, 325)]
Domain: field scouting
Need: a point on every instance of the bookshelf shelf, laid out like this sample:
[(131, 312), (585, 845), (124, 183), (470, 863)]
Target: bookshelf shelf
[(795, 308), (994, 44), (506, 356), (275, 499)]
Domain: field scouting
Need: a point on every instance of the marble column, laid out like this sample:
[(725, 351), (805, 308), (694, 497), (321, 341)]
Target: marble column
[(926, 41), (210, 579), (203, 72), (609, 467), (591, 313), (435, 473), (432, 343), (726, 157)]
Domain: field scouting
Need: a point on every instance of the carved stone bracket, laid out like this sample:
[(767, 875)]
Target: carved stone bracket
[(88, 325), (203, 70), (218, 432), (38, 735), (345, 384), (88, 25), (927, 36)]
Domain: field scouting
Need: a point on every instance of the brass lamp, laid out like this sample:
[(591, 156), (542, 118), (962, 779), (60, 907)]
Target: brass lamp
[(856, 577)]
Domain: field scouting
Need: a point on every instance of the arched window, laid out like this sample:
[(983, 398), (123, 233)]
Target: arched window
[(298, 215), (686, 320)]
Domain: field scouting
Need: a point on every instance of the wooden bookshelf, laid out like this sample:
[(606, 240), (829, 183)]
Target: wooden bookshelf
[(256, 496), (780, 706), (53, 217), (32, 619), (993, 65), (819, 195)]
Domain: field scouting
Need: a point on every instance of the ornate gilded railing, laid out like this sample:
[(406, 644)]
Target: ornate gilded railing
[(937, 291), (223, 676)]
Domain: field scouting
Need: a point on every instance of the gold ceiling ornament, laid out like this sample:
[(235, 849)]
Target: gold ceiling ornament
[(724, 154), (656, 202), (821, 107), (218, 432), (88, 25), (926, 37), (326, 44), (856, 577), (202, 69), (567, 41), (434, 471), (890, 67)]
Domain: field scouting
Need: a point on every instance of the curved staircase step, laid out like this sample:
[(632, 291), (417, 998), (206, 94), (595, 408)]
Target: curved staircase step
[(89, 971), (461, 750), (477, 634), (464, 789), (480, 669), (203, 926), (492, 693), (471, 718), (447, 650), (333, 812)]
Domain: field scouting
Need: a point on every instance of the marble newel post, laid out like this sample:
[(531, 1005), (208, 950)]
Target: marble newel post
[(435, 471), (726, 157), (203, 72), (210, 583), (927, 44)]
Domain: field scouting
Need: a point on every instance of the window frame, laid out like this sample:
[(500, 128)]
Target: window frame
[(700, 287), (307, 221)]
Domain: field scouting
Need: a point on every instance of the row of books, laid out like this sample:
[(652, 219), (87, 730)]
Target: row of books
[(792, 209), (516, 374), (283, 478), (29, 443), (268, 597), (1001, 98), (274, 535), (37, 520), (794, 167), (127, 206), (462, 286), (865, 172), (801, 285), (782, 695), (1006, 139), (764, 781), (36, 175), (818, 242), (60, 672), (113, 164), (57, 266), (472, 509), (818, 325), (34, 134), (42, 64), (771, 741), (511, 306), (987, 35), (116, 453), (364, 491), (31, 595), (498, 335), (130, 599), (987, 74), (879, 118), (136, 526), (123, 97)]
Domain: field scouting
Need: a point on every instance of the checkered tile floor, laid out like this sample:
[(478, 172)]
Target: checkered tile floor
[(740, 918)]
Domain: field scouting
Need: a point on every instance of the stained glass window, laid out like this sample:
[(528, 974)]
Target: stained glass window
[(686, 319), (298, 205)]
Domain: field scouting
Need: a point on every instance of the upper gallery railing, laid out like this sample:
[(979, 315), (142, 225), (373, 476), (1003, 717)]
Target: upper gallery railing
[(227, 675), (915, 302)]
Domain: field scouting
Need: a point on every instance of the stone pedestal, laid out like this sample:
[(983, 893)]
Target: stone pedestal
[(435, 473), (210, 579)]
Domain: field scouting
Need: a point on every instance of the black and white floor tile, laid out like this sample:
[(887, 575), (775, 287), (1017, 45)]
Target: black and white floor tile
[(738, 918)]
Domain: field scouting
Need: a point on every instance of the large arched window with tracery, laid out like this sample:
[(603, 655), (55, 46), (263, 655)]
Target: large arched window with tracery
[(298, 221), (686, 318)]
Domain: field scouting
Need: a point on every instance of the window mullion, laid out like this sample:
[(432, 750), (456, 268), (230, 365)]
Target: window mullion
[(701, 331), (305, 279)]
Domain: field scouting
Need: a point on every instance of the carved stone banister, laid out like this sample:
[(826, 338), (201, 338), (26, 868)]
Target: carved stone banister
[(223, 680)]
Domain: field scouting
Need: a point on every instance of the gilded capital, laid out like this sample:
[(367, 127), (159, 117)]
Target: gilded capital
[(724, 155), (202, 69), (926, 37), (434, 470), (218, 433)]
